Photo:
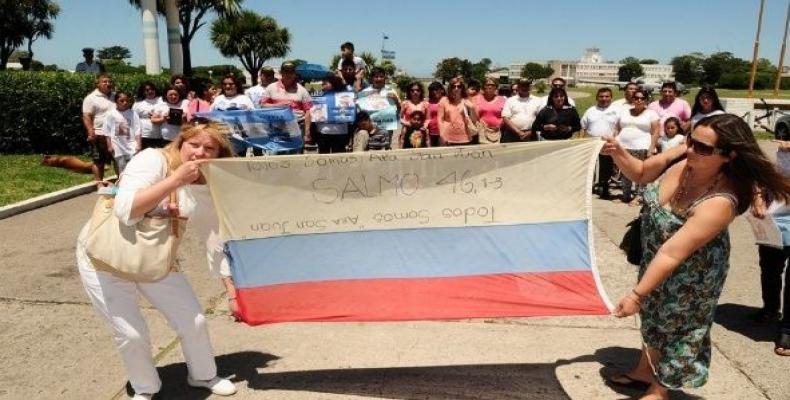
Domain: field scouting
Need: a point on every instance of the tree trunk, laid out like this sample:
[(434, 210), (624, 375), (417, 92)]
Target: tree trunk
[(187, 56), (5, 54)]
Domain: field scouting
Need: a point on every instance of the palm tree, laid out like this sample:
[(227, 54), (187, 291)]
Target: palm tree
[(191, 14), (251, 37), (39, 22)]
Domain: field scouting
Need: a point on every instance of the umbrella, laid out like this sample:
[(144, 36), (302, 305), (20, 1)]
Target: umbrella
[(310, 72)]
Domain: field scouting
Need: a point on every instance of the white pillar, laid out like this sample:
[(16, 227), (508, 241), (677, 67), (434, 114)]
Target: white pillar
[(174, 38), (151, 38)]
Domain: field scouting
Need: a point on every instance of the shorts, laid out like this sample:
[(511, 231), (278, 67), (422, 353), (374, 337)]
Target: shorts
[(100, 154)]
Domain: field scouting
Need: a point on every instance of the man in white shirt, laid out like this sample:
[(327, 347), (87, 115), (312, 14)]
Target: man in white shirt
[(265, 78), (95, 107), (519, 113), (601, 121), (89, 65), (347, 53)]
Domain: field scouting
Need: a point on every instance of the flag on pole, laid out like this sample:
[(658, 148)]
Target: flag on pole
[(439, 233)]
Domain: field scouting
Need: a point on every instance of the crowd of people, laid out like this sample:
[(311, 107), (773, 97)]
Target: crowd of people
[(706, 165)]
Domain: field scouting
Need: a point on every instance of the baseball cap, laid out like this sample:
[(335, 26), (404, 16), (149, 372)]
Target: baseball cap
[(288, 67), (524, 82), (87, 49)]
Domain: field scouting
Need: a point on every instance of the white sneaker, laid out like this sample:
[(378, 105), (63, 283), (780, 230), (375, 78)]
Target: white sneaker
[(217, 385), (142, 396)]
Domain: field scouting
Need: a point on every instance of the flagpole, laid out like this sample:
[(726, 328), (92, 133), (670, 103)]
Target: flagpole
[(778, 82), (756, 48)]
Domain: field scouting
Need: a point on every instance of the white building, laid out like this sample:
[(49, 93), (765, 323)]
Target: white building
[(593, 67)]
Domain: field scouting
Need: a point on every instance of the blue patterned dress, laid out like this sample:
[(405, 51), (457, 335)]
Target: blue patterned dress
[(678, 314)]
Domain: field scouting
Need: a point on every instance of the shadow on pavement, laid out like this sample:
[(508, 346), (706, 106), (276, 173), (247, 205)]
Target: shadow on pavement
[(451, 382), (733, 318), (174, 376)]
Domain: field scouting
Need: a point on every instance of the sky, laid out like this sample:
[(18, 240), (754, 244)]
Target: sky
[(423, 32)]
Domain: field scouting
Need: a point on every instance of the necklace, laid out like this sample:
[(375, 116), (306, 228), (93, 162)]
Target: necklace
[(682, 192)]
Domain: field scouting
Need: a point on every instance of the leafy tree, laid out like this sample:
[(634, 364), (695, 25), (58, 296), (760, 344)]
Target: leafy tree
[(251, 37), (629, 71), (722, 62), (114, 53), (191, 15), (389, 68), (648, 61), (24, 19), (536, 71), (39, 22), (448, 69), (402, 82), (629, 60), (451, 67), (120, 67), (333, 63), (688, 67), (39, 66)]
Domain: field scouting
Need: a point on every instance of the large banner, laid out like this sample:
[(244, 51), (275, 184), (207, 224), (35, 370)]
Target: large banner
[(440, 233), (382, 108), (334, 108), (273, 129)]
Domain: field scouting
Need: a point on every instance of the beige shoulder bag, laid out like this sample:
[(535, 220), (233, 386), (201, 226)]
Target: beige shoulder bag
[(143, 252)]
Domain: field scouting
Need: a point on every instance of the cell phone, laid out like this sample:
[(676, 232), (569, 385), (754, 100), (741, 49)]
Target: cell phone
[(175, 116)]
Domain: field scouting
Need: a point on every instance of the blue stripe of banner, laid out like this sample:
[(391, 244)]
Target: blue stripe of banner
[(410, 253)]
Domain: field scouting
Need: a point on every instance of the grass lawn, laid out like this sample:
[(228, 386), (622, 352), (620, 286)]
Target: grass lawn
[(24, 177)]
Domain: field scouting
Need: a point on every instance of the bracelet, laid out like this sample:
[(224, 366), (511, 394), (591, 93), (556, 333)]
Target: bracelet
[(638, 296)]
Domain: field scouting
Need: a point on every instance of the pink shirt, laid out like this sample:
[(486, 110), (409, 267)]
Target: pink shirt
[(452, 127), (490, 112), (433, 121), (679, 109), (406, 109)]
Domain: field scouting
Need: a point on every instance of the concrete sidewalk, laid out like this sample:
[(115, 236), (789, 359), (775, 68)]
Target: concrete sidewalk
[(53, 346)]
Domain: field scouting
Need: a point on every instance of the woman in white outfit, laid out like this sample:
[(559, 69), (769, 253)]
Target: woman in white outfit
[(144, 190)]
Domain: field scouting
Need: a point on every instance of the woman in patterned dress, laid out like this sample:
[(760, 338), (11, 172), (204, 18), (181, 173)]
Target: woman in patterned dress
[(686, 245)]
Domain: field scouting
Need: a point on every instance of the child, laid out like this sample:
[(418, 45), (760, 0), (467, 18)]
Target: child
[(368, 136), (673, 134), (415, 134), (124, 133)]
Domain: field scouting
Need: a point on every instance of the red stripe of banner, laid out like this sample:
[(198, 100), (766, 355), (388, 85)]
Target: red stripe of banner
[(500, 295)]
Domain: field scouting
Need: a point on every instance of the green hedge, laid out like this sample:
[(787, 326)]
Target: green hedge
[(41, 112)]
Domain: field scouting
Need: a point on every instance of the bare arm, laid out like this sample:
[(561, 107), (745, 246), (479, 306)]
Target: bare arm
[(148, 198), (638, 170), (307, 122), (708, 219), (87, 121), (655, 132)]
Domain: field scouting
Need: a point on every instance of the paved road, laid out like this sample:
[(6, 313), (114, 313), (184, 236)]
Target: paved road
[(53, 346)]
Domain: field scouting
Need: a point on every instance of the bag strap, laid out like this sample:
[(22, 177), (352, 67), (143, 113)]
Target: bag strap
[(174, 219)]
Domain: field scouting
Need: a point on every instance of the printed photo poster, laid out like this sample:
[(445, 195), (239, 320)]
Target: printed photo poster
[(334, 108), (273, 129), (383, 110)]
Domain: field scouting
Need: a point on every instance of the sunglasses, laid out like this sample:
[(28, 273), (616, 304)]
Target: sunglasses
[(457, 86), (702, 148)]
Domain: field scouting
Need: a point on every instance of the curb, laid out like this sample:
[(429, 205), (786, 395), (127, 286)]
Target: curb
[(46, 199)]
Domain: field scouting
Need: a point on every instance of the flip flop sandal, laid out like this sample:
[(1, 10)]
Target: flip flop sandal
[(783, 345), (625, 381)]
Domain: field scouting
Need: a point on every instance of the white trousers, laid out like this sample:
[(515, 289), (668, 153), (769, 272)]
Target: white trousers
[(115, 300)]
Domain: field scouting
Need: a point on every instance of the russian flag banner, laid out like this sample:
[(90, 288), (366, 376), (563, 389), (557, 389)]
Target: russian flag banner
[(441, 233)]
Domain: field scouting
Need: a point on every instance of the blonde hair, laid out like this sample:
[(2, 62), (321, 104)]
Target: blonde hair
[(217, 131)]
